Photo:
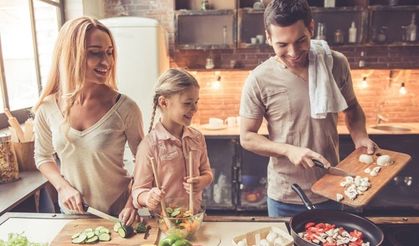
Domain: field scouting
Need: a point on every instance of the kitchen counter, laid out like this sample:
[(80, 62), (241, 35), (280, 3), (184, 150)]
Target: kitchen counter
[(44, 227), (13, 193), (342, 130)]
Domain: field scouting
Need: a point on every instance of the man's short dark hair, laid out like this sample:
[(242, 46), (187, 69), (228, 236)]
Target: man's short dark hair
[(287, 12)]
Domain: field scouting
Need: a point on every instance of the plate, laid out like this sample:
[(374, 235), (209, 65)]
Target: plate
[(208, 127)]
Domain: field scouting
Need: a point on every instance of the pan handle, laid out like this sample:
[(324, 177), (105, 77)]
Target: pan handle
[(302, 195)]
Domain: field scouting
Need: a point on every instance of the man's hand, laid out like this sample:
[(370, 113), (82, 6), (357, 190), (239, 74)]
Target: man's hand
[(71, 199), (154, 197), (368, 143), (304, 156), (128, 215)]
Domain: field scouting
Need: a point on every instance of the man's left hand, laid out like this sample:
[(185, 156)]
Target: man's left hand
[(367, 143)]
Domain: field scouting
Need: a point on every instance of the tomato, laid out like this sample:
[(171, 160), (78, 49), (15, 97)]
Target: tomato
[(356, 233), (309, 224), (329, 244)]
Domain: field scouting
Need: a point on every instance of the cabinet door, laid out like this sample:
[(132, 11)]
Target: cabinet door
[(220, 194), (252, 181)]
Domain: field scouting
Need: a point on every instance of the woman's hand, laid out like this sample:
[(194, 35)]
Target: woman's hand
[(128, 215), (154, 197), (71, 199), (304, 157)]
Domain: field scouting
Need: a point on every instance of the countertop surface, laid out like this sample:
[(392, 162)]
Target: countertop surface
[(412, 129), (44, 227)]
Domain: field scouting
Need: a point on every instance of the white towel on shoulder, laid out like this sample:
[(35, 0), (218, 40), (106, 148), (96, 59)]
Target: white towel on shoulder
[(325, 96)]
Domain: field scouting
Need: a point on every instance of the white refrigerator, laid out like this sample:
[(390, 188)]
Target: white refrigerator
[(141, 57)]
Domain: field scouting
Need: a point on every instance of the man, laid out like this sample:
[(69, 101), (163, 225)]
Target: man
[(279, 91)]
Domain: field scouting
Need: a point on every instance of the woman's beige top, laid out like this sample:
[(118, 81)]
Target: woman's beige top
[(273, 92), (92, 159), (171, 155)]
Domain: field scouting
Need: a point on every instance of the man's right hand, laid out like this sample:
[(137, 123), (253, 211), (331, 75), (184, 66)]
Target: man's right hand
[(154, 197), (304, 157), (71, 199)]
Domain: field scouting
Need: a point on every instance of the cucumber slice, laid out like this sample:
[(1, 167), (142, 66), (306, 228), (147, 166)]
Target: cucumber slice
[(88, 230), (94, 239), (104, 230), (90, 234), (116, 226), (75, 235), (80, 239), (104, 237), (122, 232)]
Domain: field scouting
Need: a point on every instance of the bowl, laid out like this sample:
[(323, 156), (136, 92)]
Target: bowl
[(179, 221)]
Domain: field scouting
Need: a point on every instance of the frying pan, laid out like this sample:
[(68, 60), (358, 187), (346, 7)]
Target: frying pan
[(349, 221)]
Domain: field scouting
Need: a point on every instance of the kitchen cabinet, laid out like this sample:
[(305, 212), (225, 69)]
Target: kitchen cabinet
[(193, 31), (248, 170), (238, 26)]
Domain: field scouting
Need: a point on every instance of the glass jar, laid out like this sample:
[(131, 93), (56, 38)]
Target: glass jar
[(9, 170), (339, 37)]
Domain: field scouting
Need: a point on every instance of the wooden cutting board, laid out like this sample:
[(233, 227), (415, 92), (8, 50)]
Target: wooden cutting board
[(78, 225), (329, 185)]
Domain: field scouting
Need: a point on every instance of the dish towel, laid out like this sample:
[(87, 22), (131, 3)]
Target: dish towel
[(325, 96)]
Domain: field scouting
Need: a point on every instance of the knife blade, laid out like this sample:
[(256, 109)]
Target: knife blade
[(333, 170), (102, 214)]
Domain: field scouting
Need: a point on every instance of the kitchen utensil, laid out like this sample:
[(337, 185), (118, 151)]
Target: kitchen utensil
[(190, 169), (15, 125), (333, 170), (101, 214), (156, 180), (349, 221), (329, 185)]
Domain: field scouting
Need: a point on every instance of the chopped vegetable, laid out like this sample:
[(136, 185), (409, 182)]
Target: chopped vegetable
[(89, 235), (19, 239)]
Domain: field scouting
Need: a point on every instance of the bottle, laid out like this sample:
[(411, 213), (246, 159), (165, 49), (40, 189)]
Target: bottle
[(321, 35), (361, 62), (352, 33), (329, 3), (338, 37), (204, 5), (411, 29)]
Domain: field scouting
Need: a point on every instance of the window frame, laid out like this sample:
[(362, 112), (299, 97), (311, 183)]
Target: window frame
[(24, 113)]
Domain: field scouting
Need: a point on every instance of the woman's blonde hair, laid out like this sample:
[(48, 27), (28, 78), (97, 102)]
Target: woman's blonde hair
[(68, 69), (173, 81)]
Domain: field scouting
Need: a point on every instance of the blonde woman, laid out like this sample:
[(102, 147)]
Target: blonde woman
[(82, 118), (169, 143)]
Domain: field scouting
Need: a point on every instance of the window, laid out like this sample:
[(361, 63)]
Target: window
[(28, 29)]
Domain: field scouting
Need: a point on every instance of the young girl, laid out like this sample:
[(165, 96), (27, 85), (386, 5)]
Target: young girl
[(169, 143)]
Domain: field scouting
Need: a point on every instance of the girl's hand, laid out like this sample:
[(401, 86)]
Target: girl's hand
[(71, 199), (154, 197), (198, 184), (128, 215)]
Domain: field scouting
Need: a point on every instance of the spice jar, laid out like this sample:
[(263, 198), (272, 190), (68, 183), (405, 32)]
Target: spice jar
[(338, 36), (9, 170)]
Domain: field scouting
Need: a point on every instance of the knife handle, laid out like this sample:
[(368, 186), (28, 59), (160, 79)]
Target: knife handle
[(318, 164)]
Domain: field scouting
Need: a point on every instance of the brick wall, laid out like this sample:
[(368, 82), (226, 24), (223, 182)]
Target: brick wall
[(225, 101)]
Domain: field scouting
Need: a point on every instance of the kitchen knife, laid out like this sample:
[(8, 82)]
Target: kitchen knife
[(102, 214), (333, 170)]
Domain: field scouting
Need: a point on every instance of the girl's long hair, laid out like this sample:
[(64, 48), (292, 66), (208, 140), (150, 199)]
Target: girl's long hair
[(68, 69)]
